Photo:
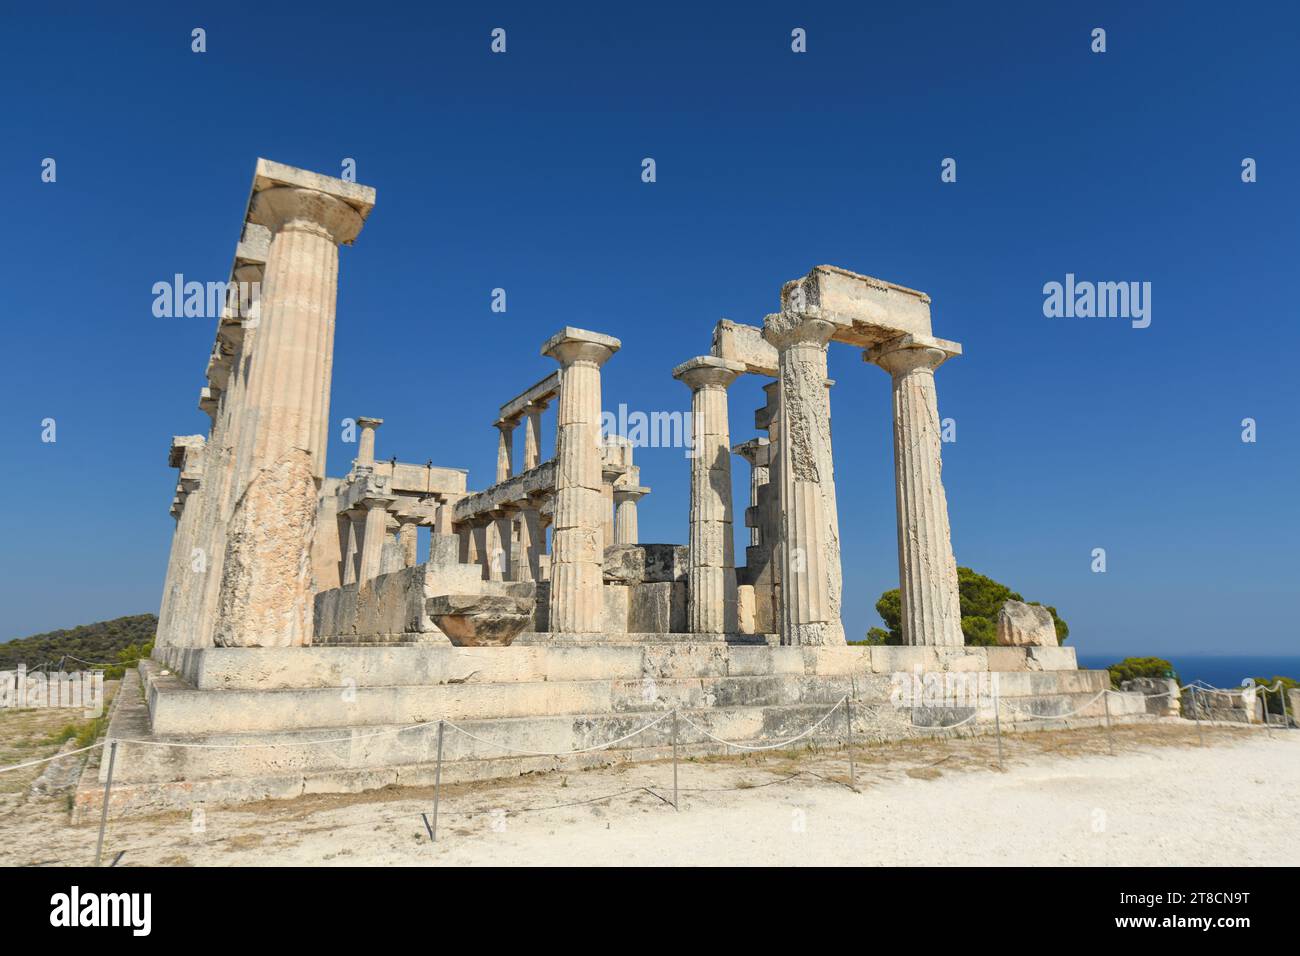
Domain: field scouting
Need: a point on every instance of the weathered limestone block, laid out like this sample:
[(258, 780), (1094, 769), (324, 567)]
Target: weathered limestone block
[(863, 310), (617, 598), (624, 564), (746, 618), (480, 620), (1025, 625), (665, 562), (1161, 695), (744, 344), (657, 607)]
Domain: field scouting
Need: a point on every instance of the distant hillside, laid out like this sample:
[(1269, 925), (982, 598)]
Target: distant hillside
[(97, 642)]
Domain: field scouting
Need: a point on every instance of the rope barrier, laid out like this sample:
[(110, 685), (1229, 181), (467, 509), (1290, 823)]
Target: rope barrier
[(59, 756), (562, 753), (1073, 713), (777, 746)]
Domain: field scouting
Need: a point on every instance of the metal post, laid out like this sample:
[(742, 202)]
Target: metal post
[(1286, 720), (848, 724), (103, 814), (1110, 740), (1196, 712), (675, 805), (437, 785), (1263, 706), (997, 723)]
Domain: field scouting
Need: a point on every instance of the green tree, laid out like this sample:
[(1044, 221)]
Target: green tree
[(981, 599), (1133, 667)]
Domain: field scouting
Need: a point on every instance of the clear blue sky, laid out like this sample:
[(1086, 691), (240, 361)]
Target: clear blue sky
[(523, 171)]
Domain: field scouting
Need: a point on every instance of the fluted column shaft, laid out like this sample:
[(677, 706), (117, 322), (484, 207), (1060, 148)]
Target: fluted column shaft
[(810, 545), (532, 545), (625, 516), (927, 570), (372, 544), (577, 540), (265, 597), (532, 437), (505, 450), (366, 440), (711, 560), (408, 536)]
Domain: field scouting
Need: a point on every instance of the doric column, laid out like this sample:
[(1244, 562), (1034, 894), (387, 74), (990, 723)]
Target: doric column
[(375, 534), (532, 544), (577, 559), (265, 597), (505, 449), (366, 441), (711, 562), (498, 546), (625, 520), (927, 571), (408, 536), (533, 435), (182, 583), (810, 543), (353, 531), (755, 451)]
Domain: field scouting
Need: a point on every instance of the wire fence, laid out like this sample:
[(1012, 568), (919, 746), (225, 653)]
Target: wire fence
[(1195, 689)]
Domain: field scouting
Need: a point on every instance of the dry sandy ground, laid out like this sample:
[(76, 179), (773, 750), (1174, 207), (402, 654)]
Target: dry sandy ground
[(1163, 799)]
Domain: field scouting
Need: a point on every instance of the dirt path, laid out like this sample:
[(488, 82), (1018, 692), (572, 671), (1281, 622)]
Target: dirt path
[(1162, 800)]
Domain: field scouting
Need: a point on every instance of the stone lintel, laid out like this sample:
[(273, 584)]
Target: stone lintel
[(745, 344), (865, 311), (539, 394), (570, 336), (523, 487), (408, 478)]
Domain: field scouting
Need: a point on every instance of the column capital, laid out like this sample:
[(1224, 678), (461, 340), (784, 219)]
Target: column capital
[(630, 492), (294, 207), (365, 422), (756, 451), (570, 345), (708, 371), (910, 352), (791, 329)]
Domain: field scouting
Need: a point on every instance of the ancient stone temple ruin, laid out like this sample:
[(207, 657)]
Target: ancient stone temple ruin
[(301, 632)]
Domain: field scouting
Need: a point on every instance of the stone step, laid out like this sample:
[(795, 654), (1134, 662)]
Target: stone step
[(272, 668), (251, 756), (179, 708)]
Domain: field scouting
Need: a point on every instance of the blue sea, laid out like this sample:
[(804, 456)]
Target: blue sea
[(1217, 671)]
